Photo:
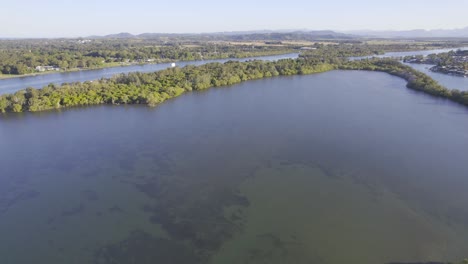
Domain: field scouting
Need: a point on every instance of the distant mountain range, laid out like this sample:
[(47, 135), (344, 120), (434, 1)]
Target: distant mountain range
[(294, 34), (240, 35), (417, 33)]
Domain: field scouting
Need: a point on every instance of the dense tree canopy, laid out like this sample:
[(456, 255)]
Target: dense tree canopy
[(22, 57)]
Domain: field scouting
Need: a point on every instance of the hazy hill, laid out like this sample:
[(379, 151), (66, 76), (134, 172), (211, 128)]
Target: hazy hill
[(417, 33)]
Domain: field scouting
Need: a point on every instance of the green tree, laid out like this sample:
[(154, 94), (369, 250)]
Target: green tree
[(17, 108), (3, 104)]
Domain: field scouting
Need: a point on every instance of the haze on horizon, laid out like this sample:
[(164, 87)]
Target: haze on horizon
[(67, 18)]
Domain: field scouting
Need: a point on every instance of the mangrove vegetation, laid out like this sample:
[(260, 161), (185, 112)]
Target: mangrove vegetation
[(154, 88)]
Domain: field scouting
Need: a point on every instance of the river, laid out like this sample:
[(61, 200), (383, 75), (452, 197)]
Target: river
[(12, 85), (399, 54), (447, 80), (337, 167)]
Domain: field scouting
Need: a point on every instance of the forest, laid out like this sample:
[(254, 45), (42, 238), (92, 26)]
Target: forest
[(20, 57), (23, 57)]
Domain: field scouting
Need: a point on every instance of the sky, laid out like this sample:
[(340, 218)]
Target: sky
[(81, 18)]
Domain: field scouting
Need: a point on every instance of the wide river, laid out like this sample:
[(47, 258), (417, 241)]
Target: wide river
[(12, 85), (337, 167)]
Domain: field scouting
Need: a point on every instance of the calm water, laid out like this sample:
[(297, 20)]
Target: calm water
[(449, 81), (14, 84), (411, 53), (339, 167), (420, 52)]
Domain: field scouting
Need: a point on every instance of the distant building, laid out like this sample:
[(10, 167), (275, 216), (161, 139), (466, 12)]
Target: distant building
[(47, 68)]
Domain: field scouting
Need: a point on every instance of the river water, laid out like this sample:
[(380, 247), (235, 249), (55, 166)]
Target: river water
[(449, 81), (337, 167), (38, 81)]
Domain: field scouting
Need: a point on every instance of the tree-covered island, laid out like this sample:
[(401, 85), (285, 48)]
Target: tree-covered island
[(154, 88)]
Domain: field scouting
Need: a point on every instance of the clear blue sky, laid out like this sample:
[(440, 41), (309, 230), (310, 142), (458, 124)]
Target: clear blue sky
[(72, 18)]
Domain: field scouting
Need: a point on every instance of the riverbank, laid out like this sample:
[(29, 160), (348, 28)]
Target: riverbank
[(154, 61), (13, 76), (106, 66)]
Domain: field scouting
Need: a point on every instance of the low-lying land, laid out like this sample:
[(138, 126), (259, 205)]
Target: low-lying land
[(26, 57), (153, 88)]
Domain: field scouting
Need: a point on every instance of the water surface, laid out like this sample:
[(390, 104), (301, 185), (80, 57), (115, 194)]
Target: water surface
[(338, 167), (398, 54), (447, 80)]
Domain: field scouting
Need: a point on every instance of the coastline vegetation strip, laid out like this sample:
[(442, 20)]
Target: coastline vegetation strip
[(416, 79), (156, 87)]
